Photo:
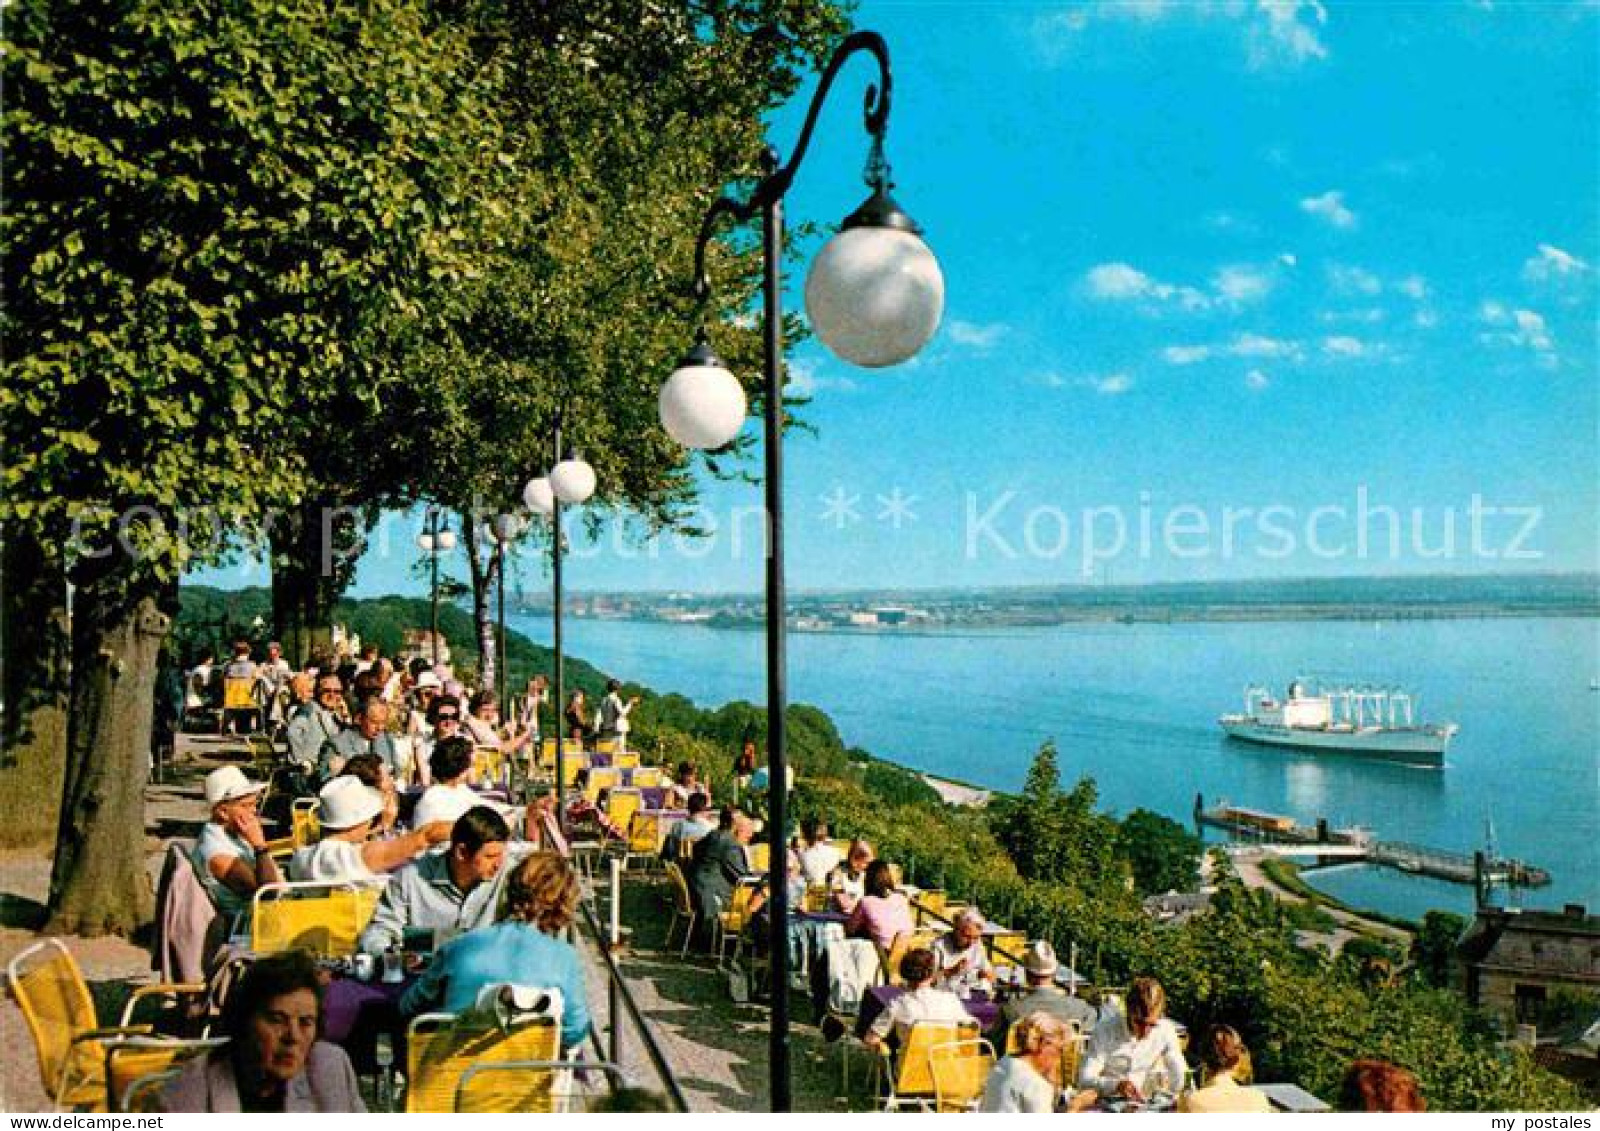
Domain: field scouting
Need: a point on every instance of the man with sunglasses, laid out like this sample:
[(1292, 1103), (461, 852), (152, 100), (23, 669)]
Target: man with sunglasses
[(316, 723)]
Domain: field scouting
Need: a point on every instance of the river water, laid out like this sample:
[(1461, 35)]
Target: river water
[(1135, 706)]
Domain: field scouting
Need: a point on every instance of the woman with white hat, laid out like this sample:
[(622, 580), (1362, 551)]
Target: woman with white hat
[(349, 812), (231, 854)]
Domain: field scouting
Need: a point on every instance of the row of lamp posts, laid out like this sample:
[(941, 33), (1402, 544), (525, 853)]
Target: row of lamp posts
[(874, 296)]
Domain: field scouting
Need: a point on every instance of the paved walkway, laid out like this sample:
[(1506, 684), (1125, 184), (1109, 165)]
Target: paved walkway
[(1248, 864)]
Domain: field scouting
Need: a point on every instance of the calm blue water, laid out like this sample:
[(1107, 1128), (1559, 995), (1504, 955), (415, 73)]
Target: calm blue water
[(1136, 705)]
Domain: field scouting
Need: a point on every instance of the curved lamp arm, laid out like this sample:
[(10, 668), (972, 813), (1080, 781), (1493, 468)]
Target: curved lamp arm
[(775, 184)]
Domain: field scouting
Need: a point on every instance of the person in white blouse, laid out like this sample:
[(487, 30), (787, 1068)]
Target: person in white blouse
[(960, 954), (1134, 1053)]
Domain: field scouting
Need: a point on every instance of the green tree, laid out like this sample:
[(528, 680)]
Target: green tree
[(1433, 949), (1164, 855), (209, 213)]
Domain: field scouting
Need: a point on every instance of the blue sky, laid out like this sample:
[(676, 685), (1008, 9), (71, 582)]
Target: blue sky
[(1200, 258)]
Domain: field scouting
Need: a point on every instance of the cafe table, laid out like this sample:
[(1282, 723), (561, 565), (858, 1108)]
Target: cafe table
[(985, 1011)]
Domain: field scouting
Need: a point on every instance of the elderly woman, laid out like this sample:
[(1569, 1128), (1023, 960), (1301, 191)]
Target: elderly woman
[(1224, 1057), (524, 949), (274, 1061), (230, 855), (882, 913), (1025, 1081), (1134, 1053), (350, 813), (963, 963)]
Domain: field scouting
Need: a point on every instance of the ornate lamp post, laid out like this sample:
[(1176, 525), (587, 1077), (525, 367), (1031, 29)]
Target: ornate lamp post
[(874, 295), (435, 540), (570, 481)]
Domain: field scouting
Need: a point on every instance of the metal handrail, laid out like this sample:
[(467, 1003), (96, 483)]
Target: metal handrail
[(617, 991)]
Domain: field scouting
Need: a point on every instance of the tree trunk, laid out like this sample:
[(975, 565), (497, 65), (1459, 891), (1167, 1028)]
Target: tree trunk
[(34, 656), (99, 885), (485, 570), (303, 593)]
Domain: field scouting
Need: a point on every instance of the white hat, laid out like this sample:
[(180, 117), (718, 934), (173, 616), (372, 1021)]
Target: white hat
[(1040, 960), (347, 801), (229, 784), (428, 679)]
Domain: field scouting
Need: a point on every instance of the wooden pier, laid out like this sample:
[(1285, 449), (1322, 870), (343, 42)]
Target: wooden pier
[(1284, 836)]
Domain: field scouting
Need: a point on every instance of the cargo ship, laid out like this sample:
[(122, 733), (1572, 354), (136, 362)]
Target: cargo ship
[(1345, 720)]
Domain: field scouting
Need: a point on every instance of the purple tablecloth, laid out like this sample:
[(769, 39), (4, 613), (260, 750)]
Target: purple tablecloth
[(984, 1011), (355, 1012), (653, 797)]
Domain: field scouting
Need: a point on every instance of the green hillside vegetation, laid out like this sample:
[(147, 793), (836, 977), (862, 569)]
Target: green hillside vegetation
[(1050, 862)]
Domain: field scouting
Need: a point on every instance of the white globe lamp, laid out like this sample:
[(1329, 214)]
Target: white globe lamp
[(425, 542), (875, 292), (538, 497), (445, 539), (572, 480), (702, 405)]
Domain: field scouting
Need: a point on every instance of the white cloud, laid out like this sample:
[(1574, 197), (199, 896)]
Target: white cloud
[(1365, 316), (975, 335), (1551, 264), (1224, 221), (1524, 329), (1426, 319), (1240, 284), (1257, 380), (1342, 345), (1493, 312), (804, 381), (1350, 280), (1329, 206), (1258, 345), (1286, 34), (1413, 286), (1533, 330), (1287, 259), (1120, 282), (1185, 355), (1111, 385)]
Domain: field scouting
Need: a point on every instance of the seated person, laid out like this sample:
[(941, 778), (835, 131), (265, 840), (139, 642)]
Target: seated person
[(230, 856), (685, 784), (699, 823), (456, 888), (450, 795), (962, 960), (274, 1061), (1025, 1081), (524, 949), (1223, 1055), (819, 856), (370, 771), (1039, 968), (719, 863), (1133, 1053), (847, 883), (315, 722), (921, 1002), (882, 913), (369, 735), (1377, 1085), (350, 815), (543, 825)]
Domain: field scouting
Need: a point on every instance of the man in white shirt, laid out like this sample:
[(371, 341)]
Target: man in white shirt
[(347, 852), (959, 954), (920, 1002), (820, 856), (1134, 1052)]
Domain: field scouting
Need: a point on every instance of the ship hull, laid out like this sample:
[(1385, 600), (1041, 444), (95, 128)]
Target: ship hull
[(1415, 746)]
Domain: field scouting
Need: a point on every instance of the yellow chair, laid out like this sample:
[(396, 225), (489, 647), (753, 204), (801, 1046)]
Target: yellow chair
[(441, 1047), (605, 746), (758, 854), (621, 805), (911, 1077), (132, 1061), (323, 918), (960, 1069), (71, 1044), (682, 908), (929, 904), (238, 696), (573, 763), (554, 1075), (890, 959), (732, 922), (648, 777), (626, 760), (143, 1096), (815, 898), (488, 764), (601, 778), (1006, 948)]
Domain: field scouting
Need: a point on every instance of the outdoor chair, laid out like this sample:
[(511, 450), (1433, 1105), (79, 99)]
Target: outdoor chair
[(929, 906), (758, 854), (486, 1085), (488, 764), (853, 965), (130, 1061), (891, 958), (143, 1096), (1006, 948), (815, 898), (323, 918), (626, 760), (601, 778), (960, 1069), (909, 1079), (646, 777), (239, 698), (442, 1047), (67, 1035), (682, 908), (621, 804), (732, 922), (646, 832)]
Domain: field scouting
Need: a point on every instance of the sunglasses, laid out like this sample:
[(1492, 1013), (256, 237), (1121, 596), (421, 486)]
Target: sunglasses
[(449, 718), (329, 691)]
